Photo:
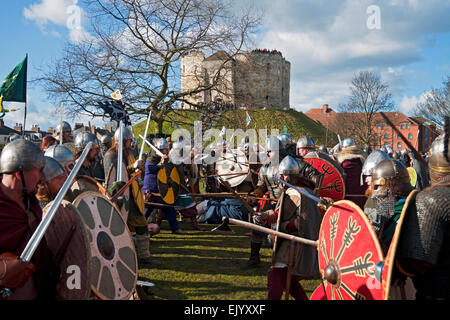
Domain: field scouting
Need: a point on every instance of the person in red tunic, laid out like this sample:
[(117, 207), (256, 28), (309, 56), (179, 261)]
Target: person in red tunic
[(351, 159), (21, 165)]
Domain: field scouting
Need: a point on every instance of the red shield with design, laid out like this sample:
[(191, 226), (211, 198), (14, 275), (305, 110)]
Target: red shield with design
[(348, 255), (333, 183)]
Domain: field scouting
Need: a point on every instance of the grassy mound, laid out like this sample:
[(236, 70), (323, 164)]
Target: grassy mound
[(297, 124)]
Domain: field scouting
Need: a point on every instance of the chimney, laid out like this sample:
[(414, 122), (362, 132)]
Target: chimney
[(35, 128), (18, 127), (325, 108)]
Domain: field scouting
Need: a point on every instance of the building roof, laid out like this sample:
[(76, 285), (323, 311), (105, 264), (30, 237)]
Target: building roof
[(219, 55), (8, 131)]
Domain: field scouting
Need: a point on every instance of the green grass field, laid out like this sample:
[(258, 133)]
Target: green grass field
[(206, 266)]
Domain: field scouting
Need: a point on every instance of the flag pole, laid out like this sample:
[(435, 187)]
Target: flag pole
[(25, 109)]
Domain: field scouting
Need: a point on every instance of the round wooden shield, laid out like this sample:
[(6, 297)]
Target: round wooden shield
[(233, 167), (168, 183), (112, 260), (86, 183), (110, 179), (348, 254), (333, 185), (413, 176), (389, 261), (319, 293), (93, 248)]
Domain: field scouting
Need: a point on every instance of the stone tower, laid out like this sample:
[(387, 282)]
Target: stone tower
[(256, 79)]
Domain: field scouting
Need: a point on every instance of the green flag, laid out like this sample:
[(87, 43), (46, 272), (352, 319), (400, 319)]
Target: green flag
[(14, 87)]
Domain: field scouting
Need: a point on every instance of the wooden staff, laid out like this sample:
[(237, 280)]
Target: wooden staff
[(289, 271), (270, 231)]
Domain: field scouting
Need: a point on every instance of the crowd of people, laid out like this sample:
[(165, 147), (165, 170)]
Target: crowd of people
[(377, 181)]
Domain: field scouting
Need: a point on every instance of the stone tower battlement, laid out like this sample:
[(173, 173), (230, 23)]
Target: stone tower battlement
[(257, 79)]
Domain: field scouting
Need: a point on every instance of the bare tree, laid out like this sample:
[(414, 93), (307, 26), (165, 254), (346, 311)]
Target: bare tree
[(369, 95), (136, 45), (436, 105)]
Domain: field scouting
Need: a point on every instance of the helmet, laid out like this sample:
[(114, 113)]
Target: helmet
[(20, 155), (247, 147), (15, 137), (272, 144), (389, 150), (439, 158), (347, 142), (126, 134), (390, 176), (285, 139), (305, 142), (404, 152), (323, 149), (396, 155), (162, 144), (62, 154), (65, 127), (83, 138), (372, 160), (52, 168), (106, 139), (288, 166)]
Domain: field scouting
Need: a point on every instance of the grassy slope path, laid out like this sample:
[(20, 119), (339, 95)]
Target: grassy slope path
[(205, 266)]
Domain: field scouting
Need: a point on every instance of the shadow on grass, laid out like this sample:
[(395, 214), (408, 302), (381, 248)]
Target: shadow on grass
[(202, 265), (173, 290)]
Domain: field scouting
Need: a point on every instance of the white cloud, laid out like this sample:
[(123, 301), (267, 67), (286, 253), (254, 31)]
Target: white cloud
[(408, 104), (327, 42), (63, 13)]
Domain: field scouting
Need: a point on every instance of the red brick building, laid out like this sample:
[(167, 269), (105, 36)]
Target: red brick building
[(417, 130)]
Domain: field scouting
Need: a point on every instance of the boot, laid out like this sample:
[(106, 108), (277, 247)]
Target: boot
[(254, 260), (143, 251)]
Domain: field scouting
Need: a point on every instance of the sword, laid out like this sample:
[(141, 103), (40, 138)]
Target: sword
[(120, 153), (340, 141), (145, 135), (320, 201), (36, 238), (159, 153)]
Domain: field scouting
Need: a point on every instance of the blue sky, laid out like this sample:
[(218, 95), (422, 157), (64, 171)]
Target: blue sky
[(325, 41)]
